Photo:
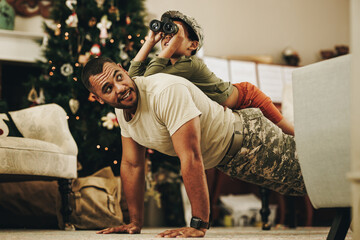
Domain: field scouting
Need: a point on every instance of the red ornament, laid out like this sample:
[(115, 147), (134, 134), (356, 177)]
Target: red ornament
[(95, 50)]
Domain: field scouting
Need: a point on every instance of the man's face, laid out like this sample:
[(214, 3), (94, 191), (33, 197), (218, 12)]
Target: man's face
[(114, 87)]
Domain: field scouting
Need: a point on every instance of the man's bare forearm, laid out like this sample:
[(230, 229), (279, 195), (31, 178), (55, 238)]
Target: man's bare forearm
[(133, 180), (196, 187)]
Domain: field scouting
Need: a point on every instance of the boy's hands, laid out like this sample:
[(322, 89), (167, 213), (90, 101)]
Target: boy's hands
[(178, 38), (154, 37), (174, 43)]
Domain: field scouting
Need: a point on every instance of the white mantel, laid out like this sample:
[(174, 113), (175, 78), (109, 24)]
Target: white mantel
[(20, 46)]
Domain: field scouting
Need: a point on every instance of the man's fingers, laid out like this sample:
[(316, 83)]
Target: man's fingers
[(111, 230), (105, 231), (177, 233), (134, 230)]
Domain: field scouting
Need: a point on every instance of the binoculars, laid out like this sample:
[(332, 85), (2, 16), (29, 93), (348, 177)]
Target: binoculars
[(167, 26)]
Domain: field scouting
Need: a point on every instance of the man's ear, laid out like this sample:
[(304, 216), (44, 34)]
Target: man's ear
[(194, 45), (93, 97)]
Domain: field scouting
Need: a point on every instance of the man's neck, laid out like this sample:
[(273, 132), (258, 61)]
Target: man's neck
[(129, 114)]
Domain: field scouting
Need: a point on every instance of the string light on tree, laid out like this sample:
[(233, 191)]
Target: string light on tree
[(128, 20)]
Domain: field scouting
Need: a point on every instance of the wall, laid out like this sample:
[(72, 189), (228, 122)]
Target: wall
[(265, 27), (256, 27)]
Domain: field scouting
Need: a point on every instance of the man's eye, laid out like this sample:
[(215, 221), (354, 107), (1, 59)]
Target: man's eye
[(118, 77), (108, 90)]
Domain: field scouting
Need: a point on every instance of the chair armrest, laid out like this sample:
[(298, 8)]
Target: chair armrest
[(47, 123)]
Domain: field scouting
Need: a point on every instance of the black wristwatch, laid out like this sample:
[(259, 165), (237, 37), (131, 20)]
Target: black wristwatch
[(198, 223)]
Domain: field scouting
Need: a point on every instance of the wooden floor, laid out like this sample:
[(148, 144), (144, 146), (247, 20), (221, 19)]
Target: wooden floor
[(213, 233)]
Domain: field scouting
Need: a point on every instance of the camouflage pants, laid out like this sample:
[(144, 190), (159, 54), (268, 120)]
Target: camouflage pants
[(267, 156)]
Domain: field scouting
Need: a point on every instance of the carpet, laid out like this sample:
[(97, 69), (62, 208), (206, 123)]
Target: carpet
[(248, 233)]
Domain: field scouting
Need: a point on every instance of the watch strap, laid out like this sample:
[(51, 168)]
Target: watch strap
[(198, 223)]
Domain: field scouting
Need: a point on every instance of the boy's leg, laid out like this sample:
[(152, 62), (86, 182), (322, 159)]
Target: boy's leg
[(267, 156)]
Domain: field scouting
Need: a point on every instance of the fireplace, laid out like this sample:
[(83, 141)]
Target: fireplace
[(19, 52)]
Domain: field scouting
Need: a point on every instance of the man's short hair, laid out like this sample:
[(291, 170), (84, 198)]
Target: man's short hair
[(92, 68)]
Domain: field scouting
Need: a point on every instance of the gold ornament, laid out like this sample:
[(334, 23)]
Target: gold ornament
[(32, 96), (100, 3), (74, 105), (83, 59), (92, 22), (57, 31), (129, 46), (114, 10)]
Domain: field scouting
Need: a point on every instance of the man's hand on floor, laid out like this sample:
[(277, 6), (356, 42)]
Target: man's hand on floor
[(183, 233), (131, 228)]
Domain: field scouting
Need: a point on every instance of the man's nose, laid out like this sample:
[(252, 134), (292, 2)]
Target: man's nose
[(120, 88)]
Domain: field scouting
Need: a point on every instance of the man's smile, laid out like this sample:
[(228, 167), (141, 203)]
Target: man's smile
[(126, 95)]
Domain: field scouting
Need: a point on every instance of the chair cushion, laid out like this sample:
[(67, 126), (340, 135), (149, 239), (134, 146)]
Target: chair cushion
[(47, 123), (27, 156)]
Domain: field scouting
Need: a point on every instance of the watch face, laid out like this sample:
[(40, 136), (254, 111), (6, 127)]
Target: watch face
[(195, 223)]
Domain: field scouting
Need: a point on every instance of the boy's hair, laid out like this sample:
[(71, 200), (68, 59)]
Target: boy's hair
[(195, 31), (93, 67)]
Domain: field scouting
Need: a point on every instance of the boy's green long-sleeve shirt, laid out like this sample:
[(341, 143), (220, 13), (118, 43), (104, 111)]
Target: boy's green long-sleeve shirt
[(191, 68)]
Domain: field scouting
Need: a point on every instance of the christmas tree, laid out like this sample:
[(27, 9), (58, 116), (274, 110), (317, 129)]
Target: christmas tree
[(84, 29)]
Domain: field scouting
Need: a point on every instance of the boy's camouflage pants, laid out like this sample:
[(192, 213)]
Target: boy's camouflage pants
[(267, 156)]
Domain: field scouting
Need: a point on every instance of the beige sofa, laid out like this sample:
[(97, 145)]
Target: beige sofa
[(47, 150), (321, 95)]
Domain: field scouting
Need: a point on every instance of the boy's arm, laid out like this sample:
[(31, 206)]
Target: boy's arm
[(137, 66), (151, 40)]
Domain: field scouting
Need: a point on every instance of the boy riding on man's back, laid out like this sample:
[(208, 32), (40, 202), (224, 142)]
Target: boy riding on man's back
[(177, 57)]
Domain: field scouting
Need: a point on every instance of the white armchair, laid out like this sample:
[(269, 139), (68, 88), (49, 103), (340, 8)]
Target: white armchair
[(47, 150), (321, 94)]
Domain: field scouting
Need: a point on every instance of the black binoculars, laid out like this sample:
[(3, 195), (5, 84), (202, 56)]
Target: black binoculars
[(167, 26)]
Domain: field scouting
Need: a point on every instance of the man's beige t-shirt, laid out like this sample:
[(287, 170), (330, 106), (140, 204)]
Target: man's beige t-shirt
[(166, 102)]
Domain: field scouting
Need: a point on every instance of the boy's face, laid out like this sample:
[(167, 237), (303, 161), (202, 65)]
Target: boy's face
[(186, 46), (114, 87)]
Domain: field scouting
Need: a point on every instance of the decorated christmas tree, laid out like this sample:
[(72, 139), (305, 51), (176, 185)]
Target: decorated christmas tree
[(81, 30)]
